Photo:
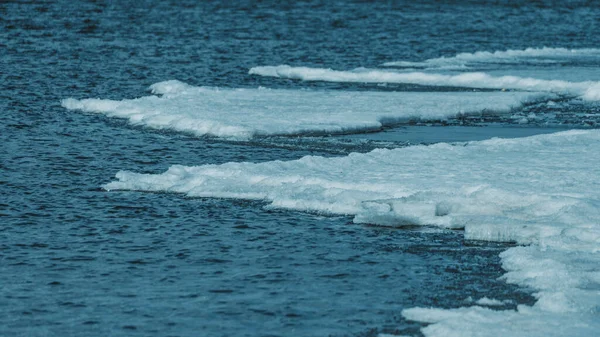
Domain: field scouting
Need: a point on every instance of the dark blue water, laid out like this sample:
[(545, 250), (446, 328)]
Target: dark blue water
[(78, 261)]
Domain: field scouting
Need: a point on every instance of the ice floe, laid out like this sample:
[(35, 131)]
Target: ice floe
[(245, 113), (587, 90), (529, 56), (542, 192)]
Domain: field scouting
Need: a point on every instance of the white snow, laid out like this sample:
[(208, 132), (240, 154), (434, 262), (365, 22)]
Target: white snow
[(541, 191), (588, 90), (244, 113)]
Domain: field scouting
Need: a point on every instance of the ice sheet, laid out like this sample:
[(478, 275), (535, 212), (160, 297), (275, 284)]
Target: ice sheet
[(588, 90), (541, 191), (533, 56), (486, 322), (244, 113)]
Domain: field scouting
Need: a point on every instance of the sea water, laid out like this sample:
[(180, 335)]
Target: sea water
[(302, 169)]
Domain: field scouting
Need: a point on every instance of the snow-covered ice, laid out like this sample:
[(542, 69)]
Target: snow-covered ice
[(529, 70), (542, 192), (587, 90), (244, 113), (540, 56)]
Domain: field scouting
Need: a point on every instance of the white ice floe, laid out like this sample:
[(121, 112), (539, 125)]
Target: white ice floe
[(491, 302), (588, 90), (527, 56), (244, 113), (541, 191), (486, 322)]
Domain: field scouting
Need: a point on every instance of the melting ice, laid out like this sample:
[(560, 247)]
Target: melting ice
[(541, 191), (588, 90), (529, 56), (244, 113), (572, 72)]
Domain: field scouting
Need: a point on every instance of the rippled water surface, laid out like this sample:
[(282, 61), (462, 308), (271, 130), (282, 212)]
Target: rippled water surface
[(78, 261)]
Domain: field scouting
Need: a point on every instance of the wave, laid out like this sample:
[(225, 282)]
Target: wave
[(588, 90), (542, 56), (541, 191), (245, 113)]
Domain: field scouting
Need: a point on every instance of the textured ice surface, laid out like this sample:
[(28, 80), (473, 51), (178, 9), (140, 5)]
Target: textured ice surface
[(588, 90), (542, 191), (539, 56), (486, 322), (243, 113)]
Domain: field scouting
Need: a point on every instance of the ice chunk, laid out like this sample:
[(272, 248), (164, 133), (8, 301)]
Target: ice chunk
[(520, 190), (528, 56), (592, 93), (172, 87), (490, 302), (586, 89), (542, 191), (244, 113), (485, 322)]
